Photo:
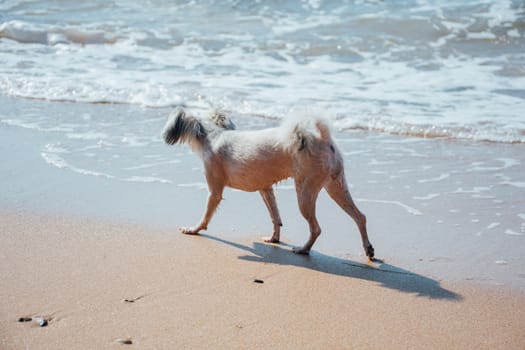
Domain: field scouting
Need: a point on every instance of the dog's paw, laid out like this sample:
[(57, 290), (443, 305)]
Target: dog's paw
[(189, 230), (369, 250), (302, 251), (271, 239)]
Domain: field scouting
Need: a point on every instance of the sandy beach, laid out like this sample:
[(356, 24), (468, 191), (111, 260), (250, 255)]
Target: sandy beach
[(426, 103), (98, 283)]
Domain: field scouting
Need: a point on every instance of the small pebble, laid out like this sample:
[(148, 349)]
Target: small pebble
[(42, 322), (258, 281), (129, 300), (124, 341)]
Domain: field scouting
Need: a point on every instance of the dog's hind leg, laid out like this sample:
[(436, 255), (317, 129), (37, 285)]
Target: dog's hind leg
[(269, 199), (307, 192), (338, 190), (214, 199)]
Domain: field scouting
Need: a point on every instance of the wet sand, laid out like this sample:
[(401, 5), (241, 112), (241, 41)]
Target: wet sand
[(199, 292)]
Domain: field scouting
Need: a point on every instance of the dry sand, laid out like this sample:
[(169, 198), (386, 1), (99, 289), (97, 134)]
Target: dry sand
[(199, 292)]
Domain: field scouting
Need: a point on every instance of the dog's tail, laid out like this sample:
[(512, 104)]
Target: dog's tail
[(307, 131), (182, 128)]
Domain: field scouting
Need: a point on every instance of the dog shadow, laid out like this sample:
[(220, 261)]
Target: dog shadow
[(385, 275)]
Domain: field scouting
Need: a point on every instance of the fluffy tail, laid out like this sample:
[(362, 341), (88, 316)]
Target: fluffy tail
[(306, 132), (183, 129)]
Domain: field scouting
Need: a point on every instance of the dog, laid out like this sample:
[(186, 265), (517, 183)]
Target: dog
[(300, 148)]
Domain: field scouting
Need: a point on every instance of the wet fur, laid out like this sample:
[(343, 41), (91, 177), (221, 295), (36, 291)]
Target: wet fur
[(301, 148)]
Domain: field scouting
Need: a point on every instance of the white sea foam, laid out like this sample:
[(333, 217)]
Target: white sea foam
[(147, 179), (133, 141), (506, 163), (435, 179), (152, 165), (518, 184), (415, 69), (482, 36), (34, 126), (427, 197), (55, 160), (87, 136), (25, 32), (55, 155), (493, 225), (513, 233), (475, 189), (408, 208), (198, 185)]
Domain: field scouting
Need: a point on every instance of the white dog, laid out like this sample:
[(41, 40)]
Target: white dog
[(255, 160)]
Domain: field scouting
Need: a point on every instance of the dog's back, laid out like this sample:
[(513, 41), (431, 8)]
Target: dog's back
[(252, 160)]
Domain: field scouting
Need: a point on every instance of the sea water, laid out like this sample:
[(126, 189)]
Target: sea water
[(426, 68), (433, 69)]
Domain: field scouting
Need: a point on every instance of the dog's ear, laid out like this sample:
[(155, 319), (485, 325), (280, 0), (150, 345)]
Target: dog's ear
[(182, 128), (222, 121)]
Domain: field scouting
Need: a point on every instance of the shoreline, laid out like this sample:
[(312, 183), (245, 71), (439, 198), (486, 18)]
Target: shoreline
[(199, 291)]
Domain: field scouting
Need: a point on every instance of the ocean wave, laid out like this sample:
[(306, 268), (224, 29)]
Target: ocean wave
[(421, 69), (24, 32), (484, 132), (480, 132)]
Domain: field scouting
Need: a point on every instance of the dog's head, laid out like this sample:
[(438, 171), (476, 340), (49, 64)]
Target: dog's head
[(184, 128)]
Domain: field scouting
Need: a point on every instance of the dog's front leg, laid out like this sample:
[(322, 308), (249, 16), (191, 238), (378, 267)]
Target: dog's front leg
[(269, 199), (214, 199)]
